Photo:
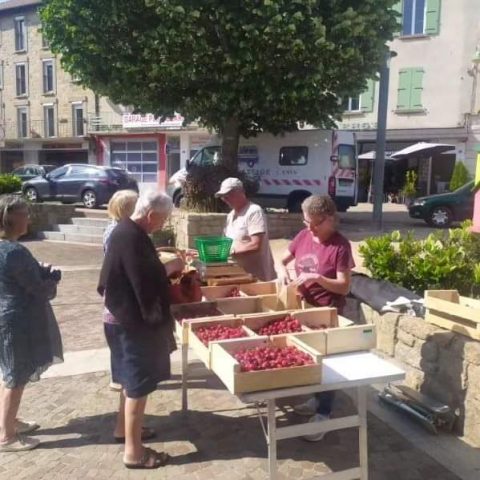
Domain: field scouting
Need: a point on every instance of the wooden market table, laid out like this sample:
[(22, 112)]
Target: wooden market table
[(349, 370)]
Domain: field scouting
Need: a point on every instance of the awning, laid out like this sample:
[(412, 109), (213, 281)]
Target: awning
[(372, 154), (422, 149)]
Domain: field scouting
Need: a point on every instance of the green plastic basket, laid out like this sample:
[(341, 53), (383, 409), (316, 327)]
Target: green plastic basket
[(213, 249)]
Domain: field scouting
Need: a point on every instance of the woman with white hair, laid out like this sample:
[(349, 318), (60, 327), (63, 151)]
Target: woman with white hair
[(135, 286), (29, 336)]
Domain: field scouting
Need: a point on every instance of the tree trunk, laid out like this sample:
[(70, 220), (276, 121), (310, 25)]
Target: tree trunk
[(230, 140)]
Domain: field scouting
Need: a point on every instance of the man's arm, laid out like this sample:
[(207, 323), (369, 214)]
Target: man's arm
[(252, 245)]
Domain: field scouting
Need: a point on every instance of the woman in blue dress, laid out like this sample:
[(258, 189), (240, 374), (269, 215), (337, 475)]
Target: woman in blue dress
[(29, 336)]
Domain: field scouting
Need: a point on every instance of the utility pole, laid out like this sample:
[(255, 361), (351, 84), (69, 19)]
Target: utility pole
[(379, 162)]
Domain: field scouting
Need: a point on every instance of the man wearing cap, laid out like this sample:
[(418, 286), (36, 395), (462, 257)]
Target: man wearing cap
[(247, 225)]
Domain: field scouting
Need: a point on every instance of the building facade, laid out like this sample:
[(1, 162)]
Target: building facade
[(433, 90), (47, 118)]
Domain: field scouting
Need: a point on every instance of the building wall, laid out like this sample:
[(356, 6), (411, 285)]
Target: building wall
[(448, 92)]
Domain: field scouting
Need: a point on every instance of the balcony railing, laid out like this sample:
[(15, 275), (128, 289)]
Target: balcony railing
[(38, 129), (104, 123)]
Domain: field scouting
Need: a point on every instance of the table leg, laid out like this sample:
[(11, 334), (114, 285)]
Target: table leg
[(184, 377), (362, 432), (272, 440)]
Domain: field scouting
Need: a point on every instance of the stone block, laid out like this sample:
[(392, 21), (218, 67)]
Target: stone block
[(428, 350), (410, 356), (417, 326), (414, 378), (472, 352), (405, 338)]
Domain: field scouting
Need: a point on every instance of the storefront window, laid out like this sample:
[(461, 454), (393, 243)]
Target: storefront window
[(139, 158)]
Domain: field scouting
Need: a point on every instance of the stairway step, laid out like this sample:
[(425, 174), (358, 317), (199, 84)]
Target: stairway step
[(82, 229), (91, 213), (47, 235), (70, 237), (91, 222)]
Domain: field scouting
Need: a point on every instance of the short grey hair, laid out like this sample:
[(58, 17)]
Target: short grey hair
[(8, 204), (153, 200), (319, 205)]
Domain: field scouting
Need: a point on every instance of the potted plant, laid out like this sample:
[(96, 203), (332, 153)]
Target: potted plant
[(409, 189)]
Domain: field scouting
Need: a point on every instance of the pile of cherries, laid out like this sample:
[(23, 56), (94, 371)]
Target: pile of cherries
[(218, 332), (265, 358), (234, 292), (288, 324)]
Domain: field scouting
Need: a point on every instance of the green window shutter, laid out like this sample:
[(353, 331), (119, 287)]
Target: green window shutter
[(368, 97), (404, 88), (417, 87), (432, 17), (398, 7)]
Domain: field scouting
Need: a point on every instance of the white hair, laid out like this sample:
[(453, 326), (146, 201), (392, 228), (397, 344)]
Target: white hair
[(153, 200)]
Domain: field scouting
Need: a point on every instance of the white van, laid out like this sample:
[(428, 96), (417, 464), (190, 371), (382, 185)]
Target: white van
[(291, 167)]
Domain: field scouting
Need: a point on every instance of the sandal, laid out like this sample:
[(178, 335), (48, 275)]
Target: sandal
[(19, 444), (150, 460), (147, 434)]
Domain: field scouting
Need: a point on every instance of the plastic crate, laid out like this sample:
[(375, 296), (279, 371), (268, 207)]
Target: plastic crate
[(213, 249)]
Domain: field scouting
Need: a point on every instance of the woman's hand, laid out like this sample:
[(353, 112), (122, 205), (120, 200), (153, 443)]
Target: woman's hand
[(307, 279)]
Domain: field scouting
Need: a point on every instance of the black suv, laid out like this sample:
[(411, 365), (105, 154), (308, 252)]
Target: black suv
[(89, 184), (27, 172)]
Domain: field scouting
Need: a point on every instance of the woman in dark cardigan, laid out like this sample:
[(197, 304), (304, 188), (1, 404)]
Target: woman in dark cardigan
[(135, 286)]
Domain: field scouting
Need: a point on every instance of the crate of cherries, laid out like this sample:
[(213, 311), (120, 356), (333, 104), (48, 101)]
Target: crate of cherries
[(278, 326), (271, 357), (210, 333)]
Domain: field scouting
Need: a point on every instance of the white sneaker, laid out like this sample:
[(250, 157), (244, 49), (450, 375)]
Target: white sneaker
[(306, 409), (26, 426), (19, 444), (316, 437)]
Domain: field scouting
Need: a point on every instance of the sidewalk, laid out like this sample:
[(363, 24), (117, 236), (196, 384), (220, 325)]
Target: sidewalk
[(219, 438)]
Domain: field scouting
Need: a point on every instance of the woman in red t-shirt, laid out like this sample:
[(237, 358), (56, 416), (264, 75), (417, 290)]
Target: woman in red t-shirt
[(323, 265)]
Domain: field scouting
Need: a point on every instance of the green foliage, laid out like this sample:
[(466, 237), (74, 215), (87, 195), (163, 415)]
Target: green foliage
[(409, 189), (255, 65), (441, 261), (460, 176), (204, 181), (10, 184)]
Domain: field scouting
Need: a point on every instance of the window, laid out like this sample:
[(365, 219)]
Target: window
[(20, 34), (352, 104), (293, 156), (58, 172), (21, 77), (77, 120), (361, 103), (346, 157), (420, 17), (139, 158), (49, 120), (48, 76), (410, 89), (22, 122)]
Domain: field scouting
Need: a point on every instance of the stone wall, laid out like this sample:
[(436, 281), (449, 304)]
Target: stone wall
[(44, 215), (439, 363), (188, 225)]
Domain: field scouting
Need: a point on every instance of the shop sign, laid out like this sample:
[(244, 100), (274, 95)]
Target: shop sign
[(133, 120), (358, 126)]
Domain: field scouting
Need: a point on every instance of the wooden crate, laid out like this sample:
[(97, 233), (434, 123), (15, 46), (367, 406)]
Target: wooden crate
[(448, 310), (192, 310), (227, 368), (340, 340), (203, 352), (244, 305), (220, 291), (259, 288)]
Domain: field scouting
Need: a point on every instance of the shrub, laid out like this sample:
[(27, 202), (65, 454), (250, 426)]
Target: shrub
[(409, 189), (460, 176), (449, 261), (9, 184), (203, 181)]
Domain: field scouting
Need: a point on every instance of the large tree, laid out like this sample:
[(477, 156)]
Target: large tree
[(238, 66)]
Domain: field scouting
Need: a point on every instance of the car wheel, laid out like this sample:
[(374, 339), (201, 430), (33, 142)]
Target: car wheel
[(89, 199), (440, 217), (31, 194)]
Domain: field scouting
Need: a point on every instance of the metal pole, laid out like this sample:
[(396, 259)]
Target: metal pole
[(379, 164)]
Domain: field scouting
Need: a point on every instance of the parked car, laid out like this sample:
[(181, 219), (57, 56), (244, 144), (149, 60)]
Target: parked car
[(27, 172), (442, 209), (92, 185)]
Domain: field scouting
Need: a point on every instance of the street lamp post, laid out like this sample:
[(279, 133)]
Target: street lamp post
[(379, 164)]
